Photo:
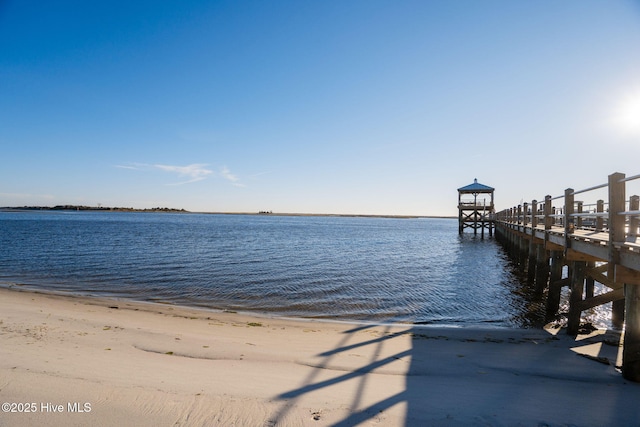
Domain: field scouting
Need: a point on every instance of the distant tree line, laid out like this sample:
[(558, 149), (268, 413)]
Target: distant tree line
[(93, 208)]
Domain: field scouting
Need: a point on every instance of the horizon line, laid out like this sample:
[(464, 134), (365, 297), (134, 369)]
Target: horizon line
[(182, 210)]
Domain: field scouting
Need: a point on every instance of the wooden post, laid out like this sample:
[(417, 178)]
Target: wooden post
[(542, 257), (634, 221), (577, 287), (555, 286), (492, 220), (534, 212), (568, 217), (511, 237), (599, 219), (578, 221), (531, 261), (475, 213), (548, 221), (555, 270), (616, 234), (483, 218), (523, 247), (631, 349), (517, 211), (589, 286), (526, 244), (617, 312), (492, 217), (542, 269)]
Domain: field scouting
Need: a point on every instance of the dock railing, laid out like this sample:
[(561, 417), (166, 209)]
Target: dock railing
[(574, 214), (597, 237)]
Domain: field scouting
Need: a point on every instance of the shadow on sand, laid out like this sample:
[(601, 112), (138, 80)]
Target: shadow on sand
[(358, 374), (418, 376)]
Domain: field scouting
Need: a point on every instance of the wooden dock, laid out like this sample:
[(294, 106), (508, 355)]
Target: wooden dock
[(473, 212), (598, 242)]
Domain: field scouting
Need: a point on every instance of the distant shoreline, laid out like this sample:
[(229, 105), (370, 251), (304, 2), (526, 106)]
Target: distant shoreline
[(76, 208), (73, 208), (329, 215)]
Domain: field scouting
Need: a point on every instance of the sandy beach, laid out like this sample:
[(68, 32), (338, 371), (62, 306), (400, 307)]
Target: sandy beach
[(76, 361)]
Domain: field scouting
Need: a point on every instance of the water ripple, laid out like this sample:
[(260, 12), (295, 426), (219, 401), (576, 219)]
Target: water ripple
[(412, 270)]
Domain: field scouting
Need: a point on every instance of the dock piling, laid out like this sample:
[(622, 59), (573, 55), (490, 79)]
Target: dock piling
[(597, 243)]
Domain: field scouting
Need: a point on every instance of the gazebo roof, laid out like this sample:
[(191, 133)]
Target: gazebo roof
[(476, 187)]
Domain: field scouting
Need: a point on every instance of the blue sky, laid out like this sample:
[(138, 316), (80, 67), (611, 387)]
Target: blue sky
[(364, 107)]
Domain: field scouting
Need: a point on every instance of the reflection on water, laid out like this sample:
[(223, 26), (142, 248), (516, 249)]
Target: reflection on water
[(374, 269), (533, 314)]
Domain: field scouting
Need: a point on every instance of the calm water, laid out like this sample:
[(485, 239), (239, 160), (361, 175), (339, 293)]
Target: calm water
[(374, 269)]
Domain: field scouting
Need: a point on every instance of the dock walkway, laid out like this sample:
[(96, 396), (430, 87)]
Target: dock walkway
[(598, 242)]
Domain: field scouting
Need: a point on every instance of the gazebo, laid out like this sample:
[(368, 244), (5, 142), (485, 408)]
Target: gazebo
[(474, 211)]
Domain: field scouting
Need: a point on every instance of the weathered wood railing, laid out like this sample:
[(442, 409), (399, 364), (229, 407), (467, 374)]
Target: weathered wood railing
[(598, 241)]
